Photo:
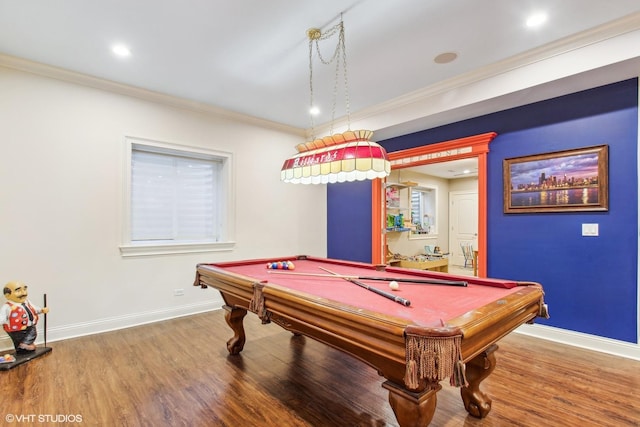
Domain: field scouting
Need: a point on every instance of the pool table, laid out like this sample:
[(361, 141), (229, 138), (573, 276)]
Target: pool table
[(415, 336)]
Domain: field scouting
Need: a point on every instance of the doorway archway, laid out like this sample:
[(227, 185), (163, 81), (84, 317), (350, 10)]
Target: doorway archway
[(472, 146)]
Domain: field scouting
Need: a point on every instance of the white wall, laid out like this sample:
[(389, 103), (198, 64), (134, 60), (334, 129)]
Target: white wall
[(464, 184), (61, 168)]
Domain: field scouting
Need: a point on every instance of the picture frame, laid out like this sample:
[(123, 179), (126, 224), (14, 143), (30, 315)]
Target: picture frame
[(560, 181)]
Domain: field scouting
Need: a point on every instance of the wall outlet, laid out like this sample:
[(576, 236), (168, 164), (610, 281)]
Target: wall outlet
[(178, 292)]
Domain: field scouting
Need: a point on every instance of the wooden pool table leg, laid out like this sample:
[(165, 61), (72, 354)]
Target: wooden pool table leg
[(234, 317), (412, 409), (480, 367)]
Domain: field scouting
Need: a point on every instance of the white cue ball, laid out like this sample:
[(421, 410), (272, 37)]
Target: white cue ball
[(394, 285)]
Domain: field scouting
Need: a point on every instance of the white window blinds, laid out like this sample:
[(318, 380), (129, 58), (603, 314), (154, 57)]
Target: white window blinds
[(174, 197)]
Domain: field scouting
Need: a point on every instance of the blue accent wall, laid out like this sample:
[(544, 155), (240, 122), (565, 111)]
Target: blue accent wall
[(591, 283), (349, 221)]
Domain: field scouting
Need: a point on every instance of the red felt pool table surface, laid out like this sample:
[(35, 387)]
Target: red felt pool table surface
[(445, 332), (430, 304)]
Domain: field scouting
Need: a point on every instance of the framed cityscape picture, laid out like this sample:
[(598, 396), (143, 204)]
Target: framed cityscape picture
[(571, 180)]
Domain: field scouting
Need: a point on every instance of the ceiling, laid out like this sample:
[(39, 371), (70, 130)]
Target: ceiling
[(252, 56)]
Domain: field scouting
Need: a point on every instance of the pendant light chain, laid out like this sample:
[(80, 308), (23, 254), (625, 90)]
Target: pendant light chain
[(347, 101), (339, 54), (343, 157), (311, 34)]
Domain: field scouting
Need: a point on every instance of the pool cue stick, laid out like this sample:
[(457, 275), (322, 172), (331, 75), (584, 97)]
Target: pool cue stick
[(45, 321), (380, 292), (386, 279)]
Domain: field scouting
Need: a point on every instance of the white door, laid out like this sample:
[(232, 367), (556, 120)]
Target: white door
[(463, 223)]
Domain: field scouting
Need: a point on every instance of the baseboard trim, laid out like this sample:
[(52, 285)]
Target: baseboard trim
[(114, 323), (581, 340), (562, 336)]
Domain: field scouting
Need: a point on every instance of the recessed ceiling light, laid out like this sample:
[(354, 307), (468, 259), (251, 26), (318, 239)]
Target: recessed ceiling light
[(314, 111), (445, 58), (536, 20), (121, 50)]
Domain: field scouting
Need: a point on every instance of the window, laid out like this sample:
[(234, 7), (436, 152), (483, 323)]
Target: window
[(423, 211), (177, 199)]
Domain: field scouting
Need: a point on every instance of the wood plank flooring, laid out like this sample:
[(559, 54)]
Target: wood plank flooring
[(178, 373)]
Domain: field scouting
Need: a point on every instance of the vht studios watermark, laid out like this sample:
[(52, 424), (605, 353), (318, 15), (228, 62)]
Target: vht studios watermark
[(43, 418)]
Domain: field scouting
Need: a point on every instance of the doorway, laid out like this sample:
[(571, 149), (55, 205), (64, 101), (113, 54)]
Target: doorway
[(463, 224), (474, 146)]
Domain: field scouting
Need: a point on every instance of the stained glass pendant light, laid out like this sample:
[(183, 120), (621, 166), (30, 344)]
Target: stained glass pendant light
[(342, 157)]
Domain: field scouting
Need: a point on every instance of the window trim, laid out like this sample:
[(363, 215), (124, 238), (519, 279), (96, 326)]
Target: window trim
[(425, 188), (227, 233)]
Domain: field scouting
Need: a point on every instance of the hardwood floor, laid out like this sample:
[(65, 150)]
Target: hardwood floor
[(178, 373)]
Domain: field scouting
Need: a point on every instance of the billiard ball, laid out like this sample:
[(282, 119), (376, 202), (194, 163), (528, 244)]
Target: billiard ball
[(394, 285)]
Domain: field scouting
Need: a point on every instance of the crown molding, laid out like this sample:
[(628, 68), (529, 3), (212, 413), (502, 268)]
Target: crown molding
[(595, 35), (613, 29), (73, 77), (468, 95)]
